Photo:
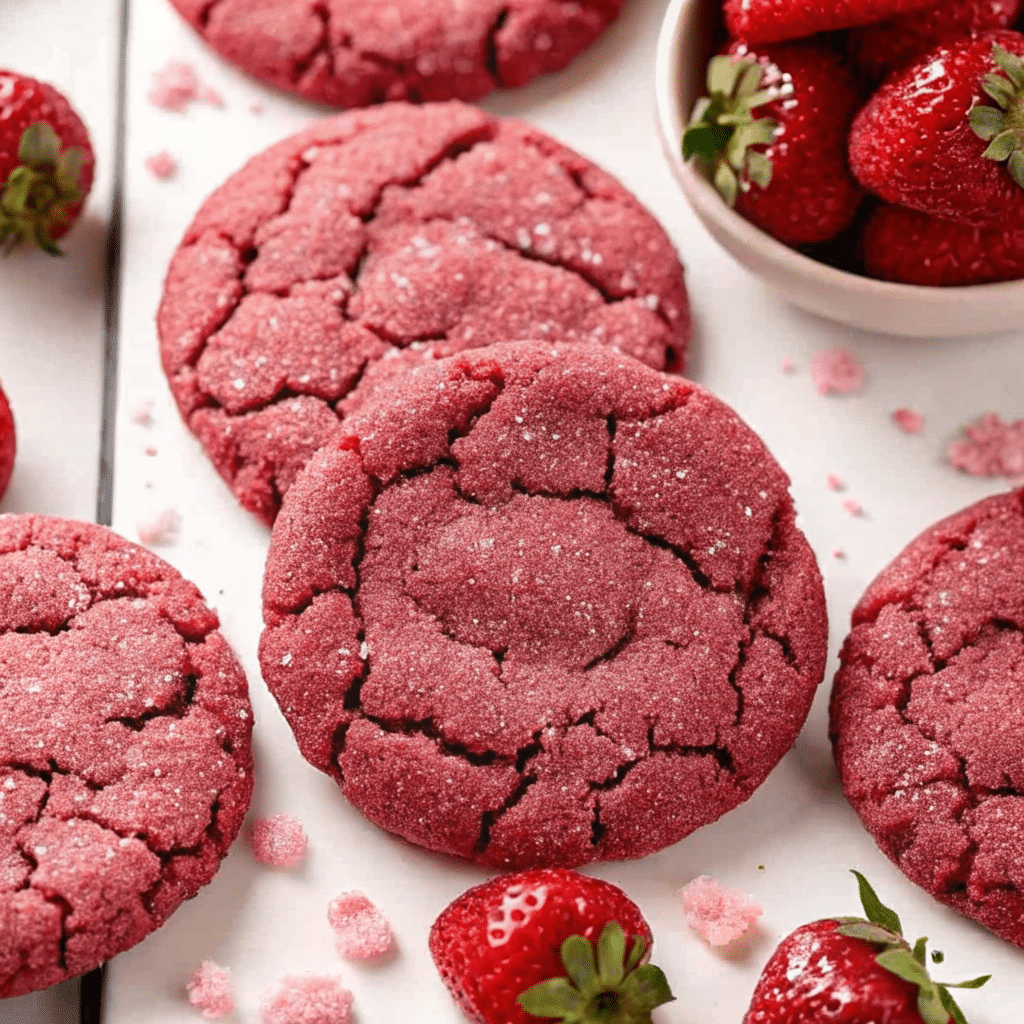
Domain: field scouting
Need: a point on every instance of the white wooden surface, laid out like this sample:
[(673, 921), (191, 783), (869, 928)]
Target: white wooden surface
[(263, 923), (51, 314)]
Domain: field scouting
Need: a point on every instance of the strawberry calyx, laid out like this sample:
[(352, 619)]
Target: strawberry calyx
[(723, 128), (883, 928), (611, 989), (40, 190), (1002, 126)]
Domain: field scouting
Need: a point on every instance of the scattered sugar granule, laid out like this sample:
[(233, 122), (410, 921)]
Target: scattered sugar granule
[(142, 414), (162, 165), (992, 448), (836, 370), (839, 553), (209, 989), (361, 931), (834, 483), (787, 365), (278, 840), (908, 421), (718, 915), (162, 530), (853, 507), (176, 85), (306, 999), (149, 450)]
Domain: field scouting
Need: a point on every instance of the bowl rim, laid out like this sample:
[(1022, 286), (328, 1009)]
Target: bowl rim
[(668, 72)]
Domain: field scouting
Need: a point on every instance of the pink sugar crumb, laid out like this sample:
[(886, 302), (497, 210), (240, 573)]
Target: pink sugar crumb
[(162, 165), (149, 450), (992, 448), (278, 840), (839, 553), (255, 108), (176, 85), (718, 915), (209, 990), (908, 421), (160, 531), (787, 365), (834, 482), (853, 507), (361, 931), (836, 371), (307, 999), (142, 414)]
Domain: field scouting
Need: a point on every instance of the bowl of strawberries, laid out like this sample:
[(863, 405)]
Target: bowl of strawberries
[(865, 158)]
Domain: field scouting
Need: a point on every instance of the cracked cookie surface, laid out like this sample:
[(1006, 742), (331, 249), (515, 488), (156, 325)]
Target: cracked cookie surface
[(542, 605), (125, 759), (395, 232), (350, 53), (927, 715)]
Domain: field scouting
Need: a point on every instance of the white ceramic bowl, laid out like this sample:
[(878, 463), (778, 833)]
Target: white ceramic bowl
[(684, 47)]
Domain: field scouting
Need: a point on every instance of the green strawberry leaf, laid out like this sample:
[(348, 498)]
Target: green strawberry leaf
[(921, 950), (1016, 167), (636, 954), (998, 88), (646, 988), (552, 998), (611, 951), (1010, 63), (869, 933), (986, 122), (875, 909), (973, 983), (578, 960), (39, 145), (950, 1005)]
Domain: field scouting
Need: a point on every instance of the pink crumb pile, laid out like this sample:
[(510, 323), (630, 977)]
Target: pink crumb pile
[(836, 371), (176, 85), (162, 165), (718, 915), (161, 530), (361, 931), (908, 421), (209, 990), (307, 999), (278, 840), (834, 482), (992, 448)]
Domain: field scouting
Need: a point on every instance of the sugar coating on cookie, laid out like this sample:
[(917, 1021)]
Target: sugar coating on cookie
[(927, 712), (350, 53), (361, 931), (210, 990), (278, 840), (125, 760), (718, 915), (543, 605), (388, 228), (307, 999)]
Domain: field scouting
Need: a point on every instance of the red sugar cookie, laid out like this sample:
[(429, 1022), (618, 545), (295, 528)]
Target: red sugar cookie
[(382, 228), (125, 761), (543, 605), (351, 53), (927, 715)]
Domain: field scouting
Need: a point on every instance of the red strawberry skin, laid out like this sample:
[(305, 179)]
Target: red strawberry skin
[(7, 443), (911, 144), (812, 196), (773, 21), (23, 101), (500, 938), (913, 248), (817, 975), (890, 45)]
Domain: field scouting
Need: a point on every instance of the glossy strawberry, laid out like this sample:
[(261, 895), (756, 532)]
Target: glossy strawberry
[(913, 248), (46, 163), (774, 21), (850, 970), (892, 44), (946, 135), (772, 133), (522, 946), (7, 443)]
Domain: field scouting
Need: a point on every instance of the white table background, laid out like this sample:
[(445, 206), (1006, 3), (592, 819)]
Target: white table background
[(263, 923)]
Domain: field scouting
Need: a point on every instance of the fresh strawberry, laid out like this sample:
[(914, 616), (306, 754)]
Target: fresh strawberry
[(890, 45), (7, 443), (920, 141), (848, 970), (773, 134), (913, 248), (46, 163), (775, 21), (522, 946)]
